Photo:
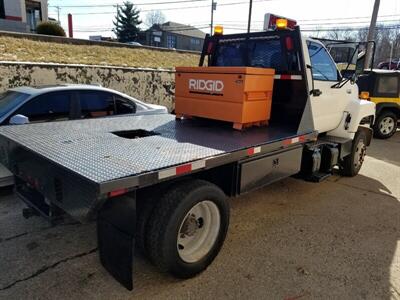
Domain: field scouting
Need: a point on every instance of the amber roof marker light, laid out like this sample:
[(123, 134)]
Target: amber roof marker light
[(281, 23), (218, 30)]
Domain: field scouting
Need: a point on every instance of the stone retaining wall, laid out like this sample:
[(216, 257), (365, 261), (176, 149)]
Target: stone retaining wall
[(149, 85)]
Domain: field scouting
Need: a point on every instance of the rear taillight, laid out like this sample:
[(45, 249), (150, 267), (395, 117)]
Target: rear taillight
[(289, 43), (117, 193)]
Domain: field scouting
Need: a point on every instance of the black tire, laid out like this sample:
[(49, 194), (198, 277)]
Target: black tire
[(354, 161), (145, 208), (379, 126), (165, 224)]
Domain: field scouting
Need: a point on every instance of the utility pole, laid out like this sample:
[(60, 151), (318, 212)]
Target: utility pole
[(58, 13), (213, 7), (249, 22), (371, 34)]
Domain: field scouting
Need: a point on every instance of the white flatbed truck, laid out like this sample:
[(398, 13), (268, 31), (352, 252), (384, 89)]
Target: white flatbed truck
[(162, 184)]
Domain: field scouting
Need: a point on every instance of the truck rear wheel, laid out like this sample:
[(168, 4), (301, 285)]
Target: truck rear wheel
[(385, 125), (187, 228), (352, 163)]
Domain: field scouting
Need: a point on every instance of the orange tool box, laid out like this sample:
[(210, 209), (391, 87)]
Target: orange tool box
[(240, 95)]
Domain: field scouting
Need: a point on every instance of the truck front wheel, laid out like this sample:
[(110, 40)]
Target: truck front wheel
[(187, 228), (352, 163), (385, 125)]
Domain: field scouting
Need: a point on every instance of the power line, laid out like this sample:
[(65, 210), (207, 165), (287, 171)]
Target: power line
[(110, 29), (170, 8), (327, 29), (326, 19), (136, 4)]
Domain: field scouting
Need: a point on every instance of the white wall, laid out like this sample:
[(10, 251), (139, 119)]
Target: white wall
[(13, 8), (23, 8), (45, 11)]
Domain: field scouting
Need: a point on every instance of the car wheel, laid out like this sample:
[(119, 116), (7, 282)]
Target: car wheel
[(385, 125)]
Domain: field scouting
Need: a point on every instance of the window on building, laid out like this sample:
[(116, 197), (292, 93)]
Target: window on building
[(2, 11), (33, 13), (171, 41), (194, 41)]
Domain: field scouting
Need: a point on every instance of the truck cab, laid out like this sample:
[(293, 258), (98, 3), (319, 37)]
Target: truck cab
[(309, 91)]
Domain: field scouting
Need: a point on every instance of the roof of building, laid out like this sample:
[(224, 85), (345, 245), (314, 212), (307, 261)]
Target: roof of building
[(181, 29)]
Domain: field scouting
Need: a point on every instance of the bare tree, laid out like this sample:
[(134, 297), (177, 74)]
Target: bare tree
[(385, 36), (341, 35), (154, 17)]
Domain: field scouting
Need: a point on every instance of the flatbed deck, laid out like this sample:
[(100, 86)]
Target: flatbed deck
[(95, 150)]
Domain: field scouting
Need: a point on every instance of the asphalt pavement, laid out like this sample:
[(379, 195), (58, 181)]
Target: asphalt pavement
[(339, 239)]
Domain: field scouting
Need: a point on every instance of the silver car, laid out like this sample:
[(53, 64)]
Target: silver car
[(24, 105)]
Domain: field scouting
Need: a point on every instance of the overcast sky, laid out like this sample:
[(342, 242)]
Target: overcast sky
[(311, 14)]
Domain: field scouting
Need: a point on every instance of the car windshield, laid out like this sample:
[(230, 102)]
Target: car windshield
[(10, 100)]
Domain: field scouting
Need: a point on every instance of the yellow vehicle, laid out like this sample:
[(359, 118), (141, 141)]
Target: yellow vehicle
[(383, 88)]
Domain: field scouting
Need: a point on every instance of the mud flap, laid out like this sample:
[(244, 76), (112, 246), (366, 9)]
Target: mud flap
[(116, 224)]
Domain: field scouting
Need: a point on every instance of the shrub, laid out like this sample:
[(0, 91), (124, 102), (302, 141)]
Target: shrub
[(50, 28)]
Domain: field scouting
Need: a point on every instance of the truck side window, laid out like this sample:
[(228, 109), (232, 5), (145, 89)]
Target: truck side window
[(323, 67), (96, 104), (47, 107)]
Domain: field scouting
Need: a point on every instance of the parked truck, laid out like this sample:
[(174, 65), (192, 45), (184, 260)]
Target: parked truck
[(162, 184)]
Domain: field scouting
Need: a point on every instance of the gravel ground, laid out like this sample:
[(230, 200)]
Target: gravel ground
[(292, 240)]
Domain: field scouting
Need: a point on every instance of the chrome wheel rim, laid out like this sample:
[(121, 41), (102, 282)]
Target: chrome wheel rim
[(359, 154), (387, 125), (198, 231)]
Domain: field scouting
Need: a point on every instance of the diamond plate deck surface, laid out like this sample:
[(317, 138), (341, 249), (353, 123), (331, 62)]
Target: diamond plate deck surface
[(89, 148)]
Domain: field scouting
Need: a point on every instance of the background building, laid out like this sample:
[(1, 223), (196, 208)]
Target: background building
[(175, 35), (22, 15)]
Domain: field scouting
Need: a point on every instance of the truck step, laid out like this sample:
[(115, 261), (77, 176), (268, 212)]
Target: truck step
[(318, 177)]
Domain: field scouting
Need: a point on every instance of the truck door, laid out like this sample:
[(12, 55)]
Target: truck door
[(328, 108)]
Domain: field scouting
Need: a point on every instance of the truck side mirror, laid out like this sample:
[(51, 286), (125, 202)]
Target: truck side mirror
[(360, 66), (314, 92), (19, 120)]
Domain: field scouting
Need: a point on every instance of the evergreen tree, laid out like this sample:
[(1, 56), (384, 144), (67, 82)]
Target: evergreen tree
[(127, 23)]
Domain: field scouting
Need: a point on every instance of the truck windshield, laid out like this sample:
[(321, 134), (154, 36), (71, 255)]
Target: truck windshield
[(11, 100)]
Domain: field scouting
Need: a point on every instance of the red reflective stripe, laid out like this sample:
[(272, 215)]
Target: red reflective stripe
[(302, 138), (287, 142), (250, 151), (286, 77), (117, 193), (183, 169)]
